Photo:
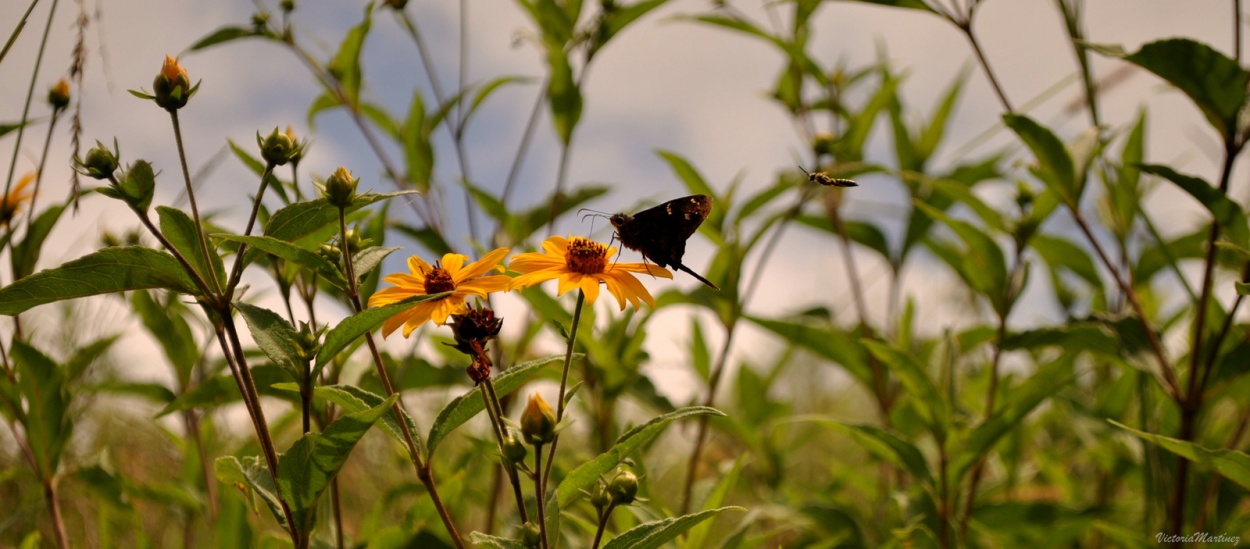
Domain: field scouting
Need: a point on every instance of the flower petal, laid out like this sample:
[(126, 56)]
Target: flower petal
[(653, 270), (532, 278), (387, 296), (590, 286), (479, 267), (418, 266), (452, 263)]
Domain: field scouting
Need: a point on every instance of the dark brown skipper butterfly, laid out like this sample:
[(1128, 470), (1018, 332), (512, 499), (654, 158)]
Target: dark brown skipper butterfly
[(660, 233), (823, 179)]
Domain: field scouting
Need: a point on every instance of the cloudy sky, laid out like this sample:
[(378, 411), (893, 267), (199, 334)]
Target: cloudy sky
[(666, 83)]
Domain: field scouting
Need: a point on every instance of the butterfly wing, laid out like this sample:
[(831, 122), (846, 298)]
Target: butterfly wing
[(660, 233)]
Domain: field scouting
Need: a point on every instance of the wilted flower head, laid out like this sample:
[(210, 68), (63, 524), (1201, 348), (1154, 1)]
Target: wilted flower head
[(453, 275), (582, 263)]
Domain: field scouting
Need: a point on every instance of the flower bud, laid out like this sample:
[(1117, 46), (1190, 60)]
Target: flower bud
[(101, 163), (340, 188), (396, 5), (538, 422), (599, 496), (531, 534), (475, 327), (331, 252), (260, 20), (513, 449), (277, 148), (308, 341), (623, 488), (287, 6), (172, 87), (823, 144), (58, 95), (298, 153)]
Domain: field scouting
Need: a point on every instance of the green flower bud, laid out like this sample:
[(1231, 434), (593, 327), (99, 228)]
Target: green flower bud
[(58, 95), (172, 87), (287, 6), (101, 163), (599, 496), (538, 421), (340, 188), (531, 534), (623, 488), (513, 449), (277, 148)]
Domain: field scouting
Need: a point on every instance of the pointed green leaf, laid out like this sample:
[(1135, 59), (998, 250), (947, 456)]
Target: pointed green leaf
[(275, 337), (170, 329), (1227, 213), (306, 469), (228, 34), (1017, 403), (464, 407), (1231, 464), (369, 258), (304, 218), (1215, 82), (563, 94), (25, 254), (47, 421), (982, 264), (883, 444), (1055, 166), (251, 472), (354, 399), (908, 4), (924, 393), (826, 342), (487, 541), (584, 476), (109, 270), (345, 67), (290, 252), (653, 535), (179, 229), (352, 327)]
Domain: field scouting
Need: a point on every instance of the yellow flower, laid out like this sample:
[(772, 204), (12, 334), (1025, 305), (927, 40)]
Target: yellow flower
[(453, 275), (17, 195), (583, 263)]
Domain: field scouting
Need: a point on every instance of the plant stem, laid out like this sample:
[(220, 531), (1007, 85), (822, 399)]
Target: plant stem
[(603, 523), (540, 492), (54, 508), (30, 90), (700, 437), (495, 412), (195, 211), (564, 382), (236, 271), (423, 469)]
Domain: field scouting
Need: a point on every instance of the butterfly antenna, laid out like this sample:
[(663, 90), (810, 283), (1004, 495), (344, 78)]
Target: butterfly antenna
[(691, 272)]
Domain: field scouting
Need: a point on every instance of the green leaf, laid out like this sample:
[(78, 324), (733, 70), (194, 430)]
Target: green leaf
[(138, 185), (826, 342), (654, 534), (179, 229), (252, 473), (925, 395), (883, 444), (1230, 464), (306, 469), (1055, 166), (484, 91), (352, 327), (345, 67), (304, 218), (106, 271), (228, 34), (464, 407), (368, 259), (170, 329), (982, 265), (495, 542), (1061, 252), (724, 489), (275, 337), (585, 474), (290, 252), (354, 399), (46, 420), (25, 254), (908, 4), (223, 389), (1227, 213), (1017, 403), (563, 94), (1215, 82), (616, 20)]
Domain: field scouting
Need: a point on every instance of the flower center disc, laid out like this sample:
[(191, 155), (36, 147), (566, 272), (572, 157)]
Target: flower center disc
[(586, 256), (438, 280)]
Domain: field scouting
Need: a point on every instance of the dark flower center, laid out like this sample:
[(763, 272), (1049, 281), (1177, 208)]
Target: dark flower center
[(586, 256), (438, 280)]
